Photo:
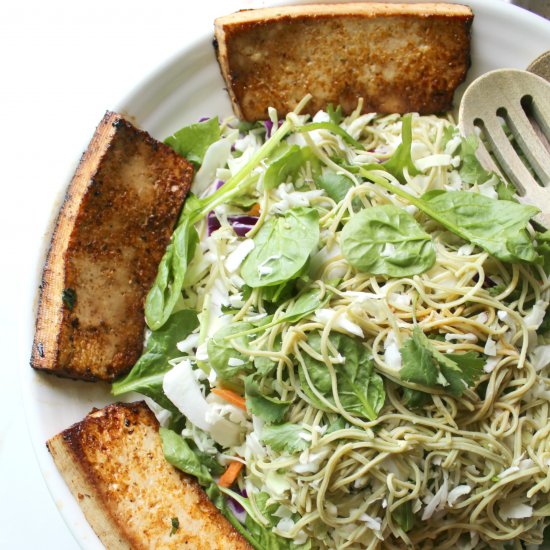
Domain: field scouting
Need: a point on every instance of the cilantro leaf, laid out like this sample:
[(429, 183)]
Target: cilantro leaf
[(266, 407), (335, 115), (285, 437), (423, 364), (192, 141)]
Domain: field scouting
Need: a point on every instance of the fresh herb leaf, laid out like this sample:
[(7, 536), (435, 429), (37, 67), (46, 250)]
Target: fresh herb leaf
[(287, 163), (401, 157), (175, 526), (470, 169), (266, 407), (360, 389), (192, 141), (285, 437), (336, 186), (415, 399), (276, 258), (334, 129), (178, 453), (404, 516), (166, 289), (68, 296), (387, 240), (221, 352), (499, 227), (335, 115), (148, 373), (423, 364), (505, 192)]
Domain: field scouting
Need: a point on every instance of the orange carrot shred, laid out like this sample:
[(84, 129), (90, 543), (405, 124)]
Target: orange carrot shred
[(231, 474), (254, 210), (231, 397)]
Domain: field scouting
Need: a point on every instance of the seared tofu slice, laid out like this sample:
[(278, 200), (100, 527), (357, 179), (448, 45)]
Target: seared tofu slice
[(112, 230), (113, 463), (397, 57)]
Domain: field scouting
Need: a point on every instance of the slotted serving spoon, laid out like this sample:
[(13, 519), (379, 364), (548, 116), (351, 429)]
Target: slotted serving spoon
[(521, 100)]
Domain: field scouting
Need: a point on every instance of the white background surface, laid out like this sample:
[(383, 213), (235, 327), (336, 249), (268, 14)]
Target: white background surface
[(62, 64)]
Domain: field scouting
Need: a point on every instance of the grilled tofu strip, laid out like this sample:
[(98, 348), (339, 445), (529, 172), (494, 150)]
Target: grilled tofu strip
[(113, 463), (397, 57), (114, 226)]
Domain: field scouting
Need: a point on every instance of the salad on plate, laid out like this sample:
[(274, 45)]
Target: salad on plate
[(346, 338)]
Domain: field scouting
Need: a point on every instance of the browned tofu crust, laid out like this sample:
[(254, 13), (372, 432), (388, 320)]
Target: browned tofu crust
[(397, 57), (112, 230), (113, 464)]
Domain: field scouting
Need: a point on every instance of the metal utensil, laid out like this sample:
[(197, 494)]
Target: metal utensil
[(521, 100)]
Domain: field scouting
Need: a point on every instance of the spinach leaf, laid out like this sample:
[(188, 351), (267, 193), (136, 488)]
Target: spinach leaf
[(387, 240), (423, 364), (166, 289), (193, 141), (333, 128), (470, 169), (308, 302), (282, 248), (285, 437), (401, 157), (221, 352), (178, 453), (287, 162), (147, 374), (266, 407), (496, 226), (404, 516), (360, 389), (336, 186)]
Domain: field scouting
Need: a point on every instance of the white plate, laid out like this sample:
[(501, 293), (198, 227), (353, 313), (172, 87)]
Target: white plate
[(186, 88)]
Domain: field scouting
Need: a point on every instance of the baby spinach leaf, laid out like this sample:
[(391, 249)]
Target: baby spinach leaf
[(147, 374), (308, 302), (192, 141), (268, 408), (178, 453), (221, 351), (470, 169), (401, 157), (387, 240), (499, 227), (496, 226), (404, 516), (166, 289), (360, 389), (336, 186), (285, 437), (424, 364), (287, 163), (282, 248)]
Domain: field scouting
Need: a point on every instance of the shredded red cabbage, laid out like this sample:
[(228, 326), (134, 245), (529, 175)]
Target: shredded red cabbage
[(241, 224)]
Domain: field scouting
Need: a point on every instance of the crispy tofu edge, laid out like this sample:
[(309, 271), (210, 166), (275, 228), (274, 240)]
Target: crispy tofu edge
[(49, 316), (85, 483), (51, 312)]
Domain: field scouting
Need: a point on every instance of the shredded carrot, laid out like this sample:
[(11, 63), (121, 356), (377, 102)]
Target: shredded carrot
[(231, 397), (231, 474), (255, 210)]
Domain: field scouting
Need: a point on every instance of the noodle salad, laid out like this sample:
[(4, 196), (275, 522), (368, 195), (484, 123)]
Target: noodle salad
[(347, 336)]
